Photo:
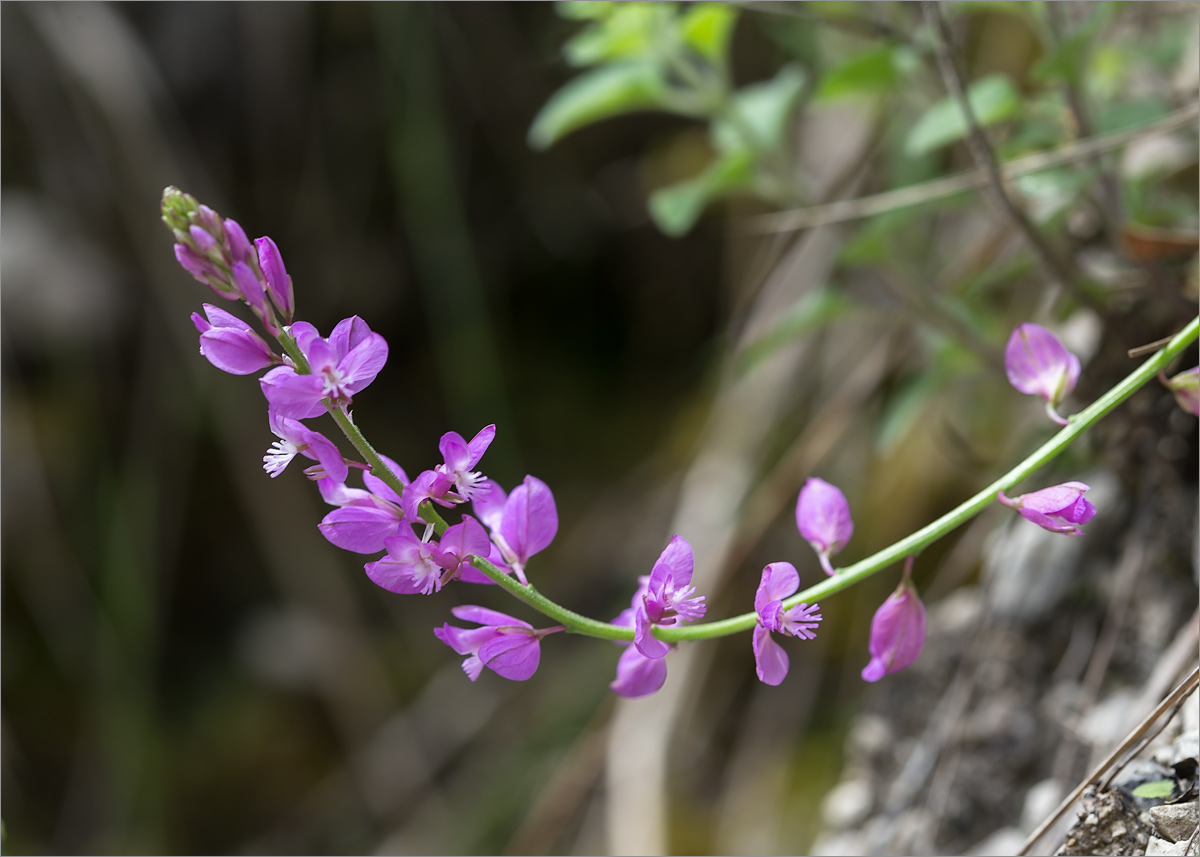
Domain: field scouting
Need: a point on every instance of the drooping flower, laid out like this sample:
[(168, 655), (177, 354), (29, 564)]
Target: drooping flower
[(823, 517), (668, 598), (1186, 387), (341, 366), (1059, 508), (1038, 364), (364, 519), (507, 646), (414, 566), (230, 344), (453, 481), (897, 631), (779, 581), (297, 439), (637, 675), (522, 523)]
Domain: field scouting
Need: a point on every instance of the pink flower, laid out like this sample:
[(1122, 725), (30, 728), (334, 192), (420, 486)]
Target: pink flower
[(897, 632), (414, 566), (341, 366), (507, 646), (364, 519), (279, 284), (1059, 508), (779, 581), (823, 516), (667, 599), (297, 439), (453, 481), (522, 523), (230, 344), (1038, 364)]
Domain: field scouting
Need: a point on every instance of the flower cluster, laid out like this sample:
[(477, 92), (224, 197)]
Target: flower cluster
[(396, 519)]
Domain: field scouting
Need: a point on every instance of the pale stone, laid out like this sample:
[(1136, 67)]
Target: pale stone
[(1176, 822), (1162, 847), (847, 804)]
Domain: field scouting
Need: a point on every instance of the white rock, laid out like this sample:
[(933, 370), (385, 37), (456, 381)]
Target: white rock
[(1175, 822), (1158, 846)]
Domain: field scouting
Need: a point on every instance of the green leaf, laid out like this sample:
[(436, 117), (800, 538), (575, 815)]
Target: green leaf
[(993, 99), (706, 29), (594, 95), (676, 208), (813, 311), (583, 10), (763, 111), (1157, 789), (868, 73), (629, 31)]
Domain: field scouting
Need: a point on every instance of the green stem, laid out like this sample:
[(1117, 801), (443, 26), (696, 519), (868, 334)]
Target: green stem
[(925, 536)]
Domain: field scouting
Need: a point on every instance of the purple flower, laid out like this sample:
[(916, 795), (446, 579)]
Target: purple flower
[(364, 519), (667, 599), (279, 284), (637, 675), (1186, 387), (341, 366), (454, 474), (1059, 508), (507, 646), (296, 439), (415, 566), (522, 524), (897, 632), (1038, 364), (230, 344), (823, 516), (779, 581)]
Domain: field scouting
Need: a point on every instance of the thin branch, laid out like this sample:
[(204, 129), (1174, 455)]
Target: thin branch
[(1177, 696), (1055, 268), (892, 200)]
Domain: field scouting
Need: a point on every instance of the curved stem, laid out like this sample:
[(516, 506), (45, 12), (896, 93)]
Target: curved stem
[(930, 533)]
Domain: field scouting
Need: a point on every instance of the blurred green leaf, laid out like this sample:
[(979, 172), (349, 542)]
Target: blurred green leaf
[(813, 311), (583, 10), (628, 31), (706, 28), (1116, 115), (1156, 789), (1051, 192), (762, 112), (868, 73), (597, 94), (676, 208), (993, 99)]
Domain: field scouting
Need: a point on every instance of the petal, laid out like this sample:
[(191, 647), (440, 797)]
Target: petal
[(638, 675), (250, 287), (361, 529), (770, 660), (416, 492), (1053, 524), (479, 444), (238, 352), (823, 516), (1055, 498), (295, 396), (465, 641), (279, 284), (348, 334), (466, 539), (239, 244), (1038, 364), (530, 519), (875, 670), (897, 631), (511, 656), (488, 503), (484, 616), (363, 363), (321, 448), (338, 494), (403, 578), (218, 317), (455, 452), (643, 638), (677, 560), (779, 580)]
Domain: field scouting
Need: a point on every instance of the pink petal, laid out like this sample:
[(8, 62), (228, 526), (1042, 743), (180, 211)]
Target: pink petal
[(380, 488), (638, 675), (295, 396), (530, 519), (348, 334), (770, 660), (823, 516), (779, 580), (644, 640), (1038, 364), (238, 352), (361, 529), (485, 616), (512, 656), (455, 452), (363, 362), (676, 560), (488, 503), (479, 445)]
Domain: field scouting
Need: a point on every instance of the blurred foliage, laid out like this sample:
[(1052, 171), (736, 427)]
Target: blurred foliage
[(187, 665)]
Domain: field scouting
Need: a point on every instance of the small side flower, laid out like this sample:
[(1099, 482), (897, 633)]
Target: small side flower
[(823, 517), (780, 580), (1059, 508), (897, 631), (1038, 364), (507, 646)]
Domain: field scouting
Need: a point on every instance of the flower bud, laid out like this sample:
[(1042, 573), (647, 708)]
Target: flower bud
[(1038, 364), (1186, 387), (823, 517), (279, 284), (1059, 508), (897, 633)]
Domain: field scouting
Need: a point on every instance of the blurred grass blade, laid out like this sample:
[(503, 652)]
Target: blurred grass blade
[(595, 95), (811, 312), (993, 99)]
